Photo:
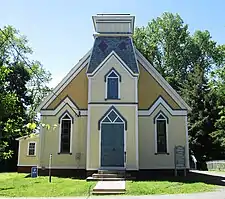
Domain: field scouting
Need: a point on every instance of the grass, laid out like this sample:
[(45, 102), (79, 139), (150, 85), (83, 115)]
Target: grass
[(217, 171), (14, 184), (166, 187)]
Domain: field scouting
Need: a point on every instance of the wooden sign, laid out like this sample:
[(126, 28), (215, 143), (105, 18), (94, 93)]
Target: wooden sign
[(179, 159)]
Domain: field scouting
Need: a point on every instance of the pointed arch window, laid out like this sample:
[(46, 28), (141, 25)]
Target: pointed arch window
[(66, 121), (161, 133), (112, 85)]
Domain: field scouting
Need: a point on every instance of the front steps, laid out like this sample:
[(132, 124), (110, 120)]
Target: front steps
[(109, 182), (109, 175)]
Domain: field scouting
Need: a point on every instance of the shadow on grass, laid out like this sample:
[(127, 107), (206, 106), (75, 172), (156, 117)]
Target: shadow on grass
[(28, 176), (67, 173), (7, 188), (191, 177)]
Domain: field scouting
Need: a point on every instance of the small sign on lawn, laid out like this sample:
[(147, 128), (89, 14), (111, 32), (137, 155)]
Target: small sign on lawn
[(34, 172), (179, 159)]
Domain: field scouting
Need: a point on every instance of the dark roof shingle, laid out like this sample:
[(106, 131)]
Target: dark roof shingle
[(122, 46)]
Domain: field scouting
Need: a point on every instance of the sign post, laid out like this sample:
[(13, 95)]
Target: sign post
[(49, 168), (179, 159)]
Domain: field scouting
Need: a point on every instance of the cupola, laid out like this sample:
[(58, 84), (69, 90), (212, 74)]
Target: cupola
[(114, 23)]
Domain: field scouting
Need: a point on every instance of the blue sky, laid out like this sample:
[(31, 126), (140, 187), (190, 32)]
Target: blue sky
[(60, 32)]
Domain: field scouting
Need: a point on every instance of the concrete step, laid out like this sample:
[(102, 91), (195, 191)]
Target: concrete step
[(90, 178), (107, 175), (108, 192), (101, 171), (109, 187)]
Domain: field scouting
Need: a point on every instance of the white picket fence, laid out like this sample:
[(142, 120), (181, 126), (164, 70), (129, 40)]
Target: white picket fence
[(216, 165)]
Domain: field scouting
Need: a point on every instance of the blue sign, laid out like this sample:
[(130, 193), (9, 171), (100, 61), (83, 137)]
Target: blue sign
[(34, 172)]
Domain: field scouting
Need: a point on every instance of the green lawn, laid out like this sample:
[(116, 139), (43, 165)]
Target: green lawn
[(13, 184), (165, 187)]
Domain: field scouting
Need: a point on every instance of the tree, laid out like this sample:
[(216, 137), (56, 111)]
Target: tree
[(186, 62), (218, 86), (165, 42), (37, 86), (22, 85)]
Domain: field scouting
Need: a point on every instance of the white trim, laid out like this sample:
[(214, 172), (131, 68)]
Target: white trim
[(18, 158), (112, 168), (40, 145), (66, 80), (167, 137), (106, 84), (187, 143), (89, 89), (125, 142), (35, 148), (136, 137), (92, 169), (156, 104), (113, 18), (111, 35), (135, 55), (27, 137), (132, 169), (88, 138), (151, 69), (106, 89), (66, 101), (71, 131), (119, 168), (113, 53), (111, 104), (54, 167), (136, 90), (26, 165), (63, 167), (158, 167), (59, 147)]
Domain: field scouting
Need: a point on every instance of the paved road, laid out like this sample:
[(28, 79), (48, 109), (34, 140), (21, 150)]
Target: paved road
[(211, 173), (210, 195)]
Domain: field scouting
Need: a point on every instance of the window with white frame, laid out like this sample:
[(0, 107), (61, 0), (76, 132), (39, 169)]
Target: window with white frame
[(65, 133), (113, 85), (161, 122), (32, 148)]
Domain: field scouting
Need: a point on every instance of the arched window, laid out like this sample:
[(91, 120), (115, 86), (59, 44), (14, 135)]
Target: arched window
[(66, 121), (112, 80), (161, 134)]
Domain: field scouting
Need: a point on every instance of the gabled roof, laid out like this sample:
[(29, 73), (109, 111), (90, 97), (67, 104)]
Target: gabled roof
[(122, 46), (140, 58), (65, 81), (158, 77), (27, 136)]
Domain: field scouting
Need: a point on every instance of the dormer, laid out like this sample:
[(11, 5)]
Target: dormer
[(114, 23)]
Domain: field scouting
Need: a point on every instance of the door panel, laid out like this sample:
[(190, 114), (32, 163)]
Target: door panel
[(112, 145)]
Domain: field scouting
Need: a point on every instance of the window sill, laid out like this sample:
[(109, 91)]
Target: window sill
[(64, 153), (31, 155), (112, 99), (162, 153)]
